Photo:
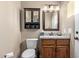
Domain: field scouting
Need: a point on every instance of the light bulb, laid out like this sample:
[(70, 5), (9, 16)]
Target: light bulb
[(51, 9), (45, 8), (57, 8)]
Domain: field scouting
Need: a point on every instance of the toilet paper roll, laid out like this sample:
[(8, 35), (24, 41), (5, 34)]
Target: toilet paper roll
[(9, 55)]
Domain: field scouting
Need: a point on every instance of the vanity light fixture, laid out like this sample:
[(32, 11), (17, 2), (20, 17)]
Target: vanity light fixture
[(45, 8), (50, 8)]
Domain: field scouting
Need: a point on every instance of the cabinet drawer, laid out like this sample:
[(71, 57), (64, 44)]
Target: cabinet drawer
[(48, 41), (63, 42), (49, 45)]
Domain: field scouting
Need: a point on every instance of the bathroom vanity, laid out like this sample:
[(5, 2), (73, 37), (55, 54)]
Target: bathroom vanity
[(54, 47)]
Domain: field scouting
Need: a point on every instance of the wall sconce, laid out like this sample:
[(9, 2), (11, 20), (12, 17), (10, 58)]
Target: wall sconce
[(50, 8)]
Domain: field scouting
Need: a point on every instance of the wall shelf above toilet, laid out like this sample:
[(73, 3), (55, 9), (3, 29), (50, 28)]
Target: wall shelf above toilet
[(32, 18)]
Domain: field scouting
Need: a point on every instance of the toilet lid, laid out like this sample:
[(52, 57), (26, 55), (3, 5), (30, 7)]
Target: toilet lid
[(28, 53)]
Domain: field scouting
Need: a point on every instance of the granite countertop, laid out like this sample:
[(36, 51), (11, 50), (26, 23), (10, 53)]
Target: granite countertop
[(54, 36)]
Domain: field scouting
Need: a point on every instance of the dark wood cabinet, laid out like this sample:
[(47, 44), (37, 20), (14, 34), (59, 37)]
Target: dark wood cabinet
[(32, 18), (55, 48)]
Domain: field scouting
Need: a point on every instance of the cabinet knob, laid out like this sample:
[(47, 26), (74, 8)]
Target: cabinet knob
[(76, 32)]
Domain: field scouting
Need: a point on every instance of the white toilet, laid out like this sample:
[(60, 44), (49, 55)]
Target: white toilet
[(30, 51)]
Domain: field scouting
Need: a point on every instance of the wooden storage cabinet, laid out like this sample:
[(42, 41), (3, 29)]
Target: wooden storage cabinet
[(62, 52), (48, 51), (48, 48), (55, 48)]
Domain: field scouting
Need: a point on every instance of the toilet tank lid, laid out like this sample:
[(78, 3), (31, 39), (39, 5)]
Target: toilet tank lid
[(32, 39)]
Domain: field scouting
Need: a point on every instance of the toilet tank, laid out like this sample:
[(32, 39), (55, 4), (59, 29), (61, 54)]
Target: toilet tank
[(31, 43)]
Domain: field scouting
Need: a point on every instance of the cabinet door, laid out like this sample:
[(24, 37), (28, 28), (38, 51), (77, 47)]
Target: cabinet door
[(62, 52), (48, 52)]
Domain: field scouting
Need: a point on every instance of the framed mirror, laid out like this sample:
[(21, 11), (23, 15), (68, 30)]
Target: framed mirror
[(51, 21)]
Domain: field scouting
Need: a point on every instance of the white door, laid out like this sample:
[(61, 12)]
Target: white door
[(77, 29)]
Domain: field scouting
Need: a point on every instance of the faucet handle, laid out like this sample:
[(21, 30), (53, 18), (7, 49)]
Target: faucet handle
[(51, 33)]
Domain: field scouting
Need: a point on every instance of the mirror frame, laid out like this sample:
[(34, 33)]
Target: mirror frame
[(43, 22)]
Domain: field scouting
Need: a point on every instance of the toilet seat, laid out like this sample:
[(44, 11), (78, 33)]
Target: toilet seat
[(28, 53)]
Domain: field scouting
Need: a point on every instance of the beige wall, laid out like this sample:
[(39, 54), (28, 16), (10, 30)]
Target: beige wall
[(66, 20), (28, 33), (10, 36)]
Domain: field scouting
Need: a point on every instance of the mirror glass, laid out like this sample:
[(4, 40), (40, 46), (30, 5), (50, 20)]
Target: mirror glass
[(35, 16), (28, 16), (51, 20)]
